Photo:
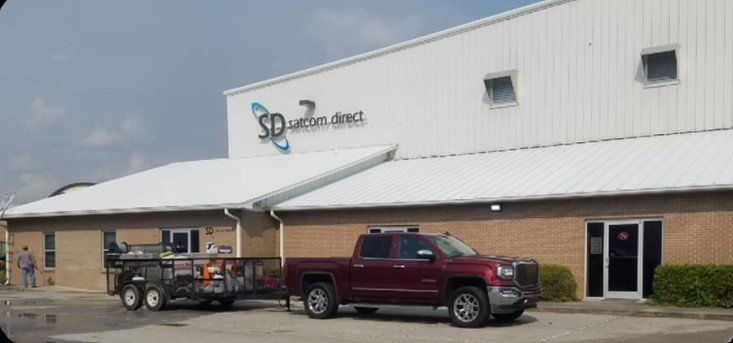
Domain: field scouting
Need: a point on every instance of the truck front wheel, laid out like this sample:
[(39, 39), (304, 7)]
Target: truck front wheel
[(320, 300), (468, 307)]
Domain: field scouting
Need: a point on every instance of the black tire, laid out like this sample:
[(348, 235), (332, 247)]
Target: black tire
[(131, 297), (366, 310), (507, 317), (226, 302), (155, 298), (468, 307), (320, 300)]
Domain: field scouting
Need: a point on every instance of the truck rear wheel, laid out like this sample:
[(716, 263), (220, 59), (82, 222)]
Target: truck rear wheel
[(320, 300), (468, 307), (131, 297), (154, 298)]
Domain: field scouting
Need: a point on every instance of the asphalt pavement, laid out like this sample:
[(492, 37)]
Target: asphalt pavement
[(66, 316)]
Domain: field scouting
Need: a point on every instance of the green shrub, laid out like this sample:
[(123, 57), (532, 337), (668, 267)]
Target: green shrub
[(558, 283), (704, 285)]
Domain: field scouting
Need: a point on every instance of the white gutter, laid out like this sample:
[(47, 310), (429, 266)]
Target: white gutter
[(238, 231), (650, 191), (282, 236)]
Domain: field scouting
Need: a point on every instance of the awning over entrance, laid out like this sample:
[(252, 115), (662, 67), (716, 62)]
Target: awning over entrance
[(678, 162), (248, 183)]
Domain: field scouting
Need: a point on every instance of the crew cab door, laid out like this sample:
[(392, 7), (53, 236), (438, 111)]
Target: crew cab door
[(419, 278), (371, 269)]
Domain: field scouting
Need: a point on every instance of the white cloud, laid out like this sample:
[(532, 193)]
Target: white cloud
[(343, 31), (40, 114), (102, 136), (36, 186)]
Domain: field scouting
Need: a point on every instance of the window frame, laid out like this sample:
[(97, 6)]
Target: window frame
[(489, 88), (376, 229), (105, 248), (188, 231), (646, 53), (46, 251)]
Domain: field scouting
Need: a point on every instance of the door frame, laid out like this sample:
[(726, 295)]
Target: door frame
[(639, 260)]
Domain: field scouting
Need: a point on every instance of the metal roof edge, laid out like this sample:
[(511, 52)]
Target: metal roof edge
[(135, 210), (388, 148), (507, 199), (401, 46)]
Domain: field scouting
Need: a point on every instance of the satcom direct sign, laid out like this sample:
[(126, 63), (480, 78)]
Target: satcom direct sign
[(274, 126)]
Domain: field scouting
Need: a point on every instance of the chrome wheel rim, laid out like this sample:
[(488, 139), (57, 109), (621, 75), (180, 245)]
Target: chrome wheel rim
[(466, 308), (317, 301), (129, 297), (153, 298)]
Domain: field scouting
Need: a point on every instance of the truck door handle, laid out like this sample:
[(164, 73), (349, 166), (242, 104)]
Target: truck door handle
[(358, 266), (398, 266)]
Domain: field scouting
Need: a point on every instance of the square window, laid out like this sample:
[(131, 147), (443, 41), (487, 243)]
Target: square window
[(49, 250), (501, 91), (660, 67)]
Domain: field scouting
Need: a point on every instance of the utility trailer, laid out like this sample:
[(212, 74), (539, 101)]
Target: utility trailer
[(155, 281)]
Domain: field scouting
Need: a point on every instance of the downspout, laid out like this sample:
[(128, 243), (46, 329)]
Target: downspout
[(238, 231), (282, 236)]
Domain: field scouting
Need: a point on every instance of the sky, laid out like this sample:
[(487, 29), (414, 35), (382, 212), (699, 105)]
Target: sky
[(94, 90)]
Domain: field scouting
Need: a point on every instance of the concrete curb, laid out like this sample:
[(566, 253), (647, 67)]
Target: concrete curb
[(660, 312)]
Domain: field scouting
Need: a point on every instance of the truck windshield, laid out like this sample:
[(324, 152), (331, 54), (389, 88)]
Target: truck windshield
[(452, 246)]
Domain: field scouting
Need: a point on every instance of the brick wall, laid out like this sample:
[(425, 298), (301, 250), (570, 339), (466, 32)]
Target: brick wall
[(697, 227), (79, 239)]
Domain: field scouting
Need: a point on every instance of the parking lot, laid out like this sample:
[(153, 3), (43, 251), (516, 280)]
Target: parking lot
[(60, 316)]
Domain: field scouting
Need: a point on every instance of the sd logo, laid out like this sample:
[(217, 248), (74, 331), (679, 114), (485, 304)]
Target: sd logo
[(273, 126)]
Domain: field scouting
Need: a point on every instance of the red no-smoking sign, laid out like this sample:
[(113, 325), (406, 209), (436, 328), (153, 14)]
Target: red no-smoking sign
[(623, 235)]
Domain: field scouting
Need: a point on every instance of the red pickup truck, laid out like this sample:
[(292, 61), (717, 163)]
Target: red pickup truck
[(416, 269)]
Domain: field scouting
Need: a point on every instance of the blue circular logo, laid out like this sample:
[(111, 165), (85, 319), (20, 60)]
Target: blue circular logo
[(259, 111)]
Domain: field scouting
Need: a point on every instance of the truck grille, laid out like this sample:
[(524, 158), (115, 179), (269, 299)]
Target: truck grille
[(527, 274)]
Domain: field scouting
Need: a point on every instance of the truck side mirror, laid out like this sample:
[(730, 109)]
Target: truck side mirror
[(426, 255)]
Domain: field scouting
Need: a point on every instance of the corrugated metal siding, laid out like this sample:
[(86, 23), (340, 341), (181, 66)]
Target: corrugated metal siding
[(579, 78), (648, 164)]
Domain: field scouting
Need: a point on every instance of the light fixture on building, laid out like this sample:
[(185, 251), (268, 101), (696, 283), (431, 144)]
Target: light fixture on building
[(495, 207)]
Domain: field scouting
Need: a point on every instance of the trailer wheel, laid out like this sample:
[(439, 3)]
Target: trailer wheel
[(131, 297), (154, 298), (320, 301)]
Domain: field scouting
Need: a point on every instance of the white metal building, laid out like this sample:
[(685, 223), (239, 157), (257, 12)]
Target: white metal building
[(566, 126)]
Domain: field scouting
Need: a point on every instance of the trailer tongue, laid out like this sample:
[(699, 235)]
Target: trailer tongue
[(144, 277)]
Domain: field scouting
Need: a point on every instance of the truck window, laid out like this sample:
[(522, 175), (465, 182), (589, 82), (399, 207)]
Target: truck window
[(376, 247), (409, 246)]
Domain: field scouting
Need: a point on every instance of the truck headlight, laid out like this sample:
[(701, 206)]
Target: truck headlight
[(505, 272)]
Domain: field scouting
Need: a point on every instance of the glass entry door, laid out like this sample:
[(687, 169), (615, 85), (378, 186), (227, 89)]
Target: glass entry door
[(623, 263)]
